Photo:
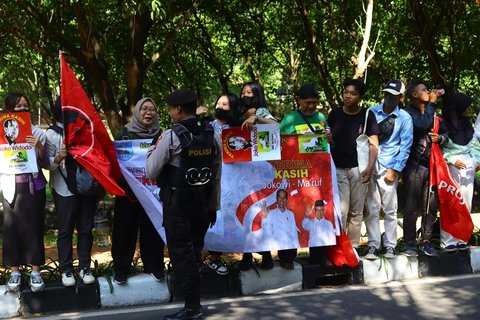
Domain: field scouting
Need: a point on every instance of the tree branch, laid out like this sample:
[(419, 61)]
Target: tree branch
[(173, 34)]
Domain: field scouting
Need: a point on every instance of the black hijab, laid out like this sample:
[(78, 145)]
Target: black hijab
[(460, 129)]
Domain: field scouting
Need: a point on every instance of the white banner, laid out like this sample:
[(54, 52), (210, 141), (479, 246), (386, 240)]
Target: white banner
[(132, 157), (250, 189)]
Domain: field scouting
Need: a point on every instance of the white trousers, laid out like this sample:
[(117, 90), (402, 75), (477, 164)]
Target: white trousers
[(465, 179), (382, 196), (352, 200)]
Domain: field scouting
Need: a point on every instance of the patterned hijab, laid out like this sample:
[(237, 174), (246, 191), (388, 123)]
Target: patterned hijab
[(136, 126)]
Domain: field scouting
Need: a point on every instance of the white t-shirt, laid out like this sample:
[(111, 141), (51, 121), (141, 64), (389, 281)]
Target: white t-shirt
[(280, 229)]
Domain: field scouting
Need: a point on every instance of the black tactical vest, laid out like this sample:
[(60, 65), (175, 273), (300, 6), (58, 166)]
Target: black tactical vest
[(197, 156)]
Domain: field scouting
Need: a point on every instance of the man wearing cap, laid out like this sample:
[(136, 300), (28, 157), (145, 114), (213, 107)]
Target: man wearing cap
[(395, 141), (306, 119), (186, 162)]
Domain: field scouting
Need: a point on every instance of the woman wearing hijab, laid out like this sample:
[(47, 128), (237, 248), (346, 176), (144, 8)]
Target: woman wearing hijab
[(73, 210), (24, 209), (129, 214), (462, 155)]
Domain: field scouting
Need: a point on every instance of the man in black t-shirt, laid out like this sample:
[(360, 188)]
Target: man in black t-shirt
[(347, 123)]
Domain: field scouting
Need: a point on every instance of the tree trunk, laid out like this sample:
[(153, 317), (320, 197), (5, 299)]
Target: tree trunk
[(361, 63), (140, 25), (93, 61), (312, 47)]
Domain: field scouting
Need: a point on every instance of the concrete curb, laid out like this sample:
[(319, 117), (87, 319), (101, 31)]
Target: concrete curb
[(142, 289), (475, 259), (271, 281), (10, 303), (384, 270)]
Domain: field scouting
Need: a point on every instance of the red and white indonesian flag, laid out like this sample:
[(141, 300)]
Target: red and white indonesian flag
[(86, 138), (454, 214)]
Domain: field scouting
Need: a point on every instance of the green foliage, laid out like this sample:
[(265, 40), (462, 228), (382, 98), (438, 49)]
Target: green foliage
[(122, 50)]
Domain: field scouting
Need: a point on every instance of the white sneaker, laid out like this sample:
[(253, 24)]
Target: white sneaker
[(371, 254), (67, 279), (36, 283), (86, 276), (389, 253), (13, 284)]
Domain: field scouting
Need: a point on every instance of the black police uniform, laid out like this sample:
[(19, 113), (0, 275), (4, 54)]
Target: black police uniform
[(186, 161)]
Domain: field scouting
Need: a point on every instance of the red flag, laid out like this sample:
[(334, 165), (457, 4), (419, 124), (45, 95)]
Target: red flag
[(455, 217), (342, 253), (86, 138)]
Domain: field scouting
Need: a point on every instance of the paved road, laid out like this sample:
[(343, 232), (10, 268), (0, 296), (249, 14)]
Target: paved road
[(431, 298)]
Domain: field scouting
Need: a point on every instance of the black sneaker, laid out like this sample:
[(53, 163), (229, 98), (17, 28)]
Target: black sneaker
[(451, 248), (247, 262), (120, 278), (428, 250), (218, 266), (267, 261), (463, 246), (186, 313), (159, 276)]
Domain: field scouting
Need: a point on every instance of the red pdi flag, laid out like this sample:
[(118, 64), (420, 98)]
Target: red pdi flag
[(455, 217), (86, 138), (342, 253)]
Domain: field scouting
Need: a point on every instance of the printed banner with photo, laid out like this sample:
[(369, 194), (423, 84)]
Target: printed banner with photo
[(132, 157), (17, 156), (260, 144), (251, 219)]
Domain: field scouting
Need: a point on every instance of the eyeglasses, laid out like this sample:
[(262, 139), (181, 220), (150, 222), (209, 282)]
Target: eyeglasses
[(146, 110)]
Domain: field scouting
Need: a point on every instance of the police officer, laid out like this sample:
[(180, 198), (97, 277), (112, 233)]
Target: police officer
[(186, 161)]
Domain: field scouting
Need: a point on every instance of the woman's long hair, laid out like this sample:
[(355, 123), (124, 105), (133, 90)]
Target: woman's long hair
[(235, 116), (12, 99), (258, 93)]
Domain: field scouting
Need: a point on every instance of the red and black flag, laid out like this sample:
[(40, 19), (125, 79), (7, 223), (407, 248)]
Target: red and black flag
[(86, 138)]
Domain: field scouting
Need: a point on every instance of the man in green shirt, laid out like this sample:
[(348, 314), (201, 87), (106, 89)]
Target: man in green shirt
[(298, 121), (305, 120)]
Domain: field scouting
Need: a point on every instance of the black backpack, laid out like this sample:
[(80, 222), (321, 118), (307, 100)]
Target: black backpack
[(78, 179)]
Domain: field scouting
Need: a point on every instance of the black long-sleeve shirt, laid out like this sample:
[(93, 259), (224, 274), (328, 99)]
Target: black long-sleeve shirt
[(422, 144)]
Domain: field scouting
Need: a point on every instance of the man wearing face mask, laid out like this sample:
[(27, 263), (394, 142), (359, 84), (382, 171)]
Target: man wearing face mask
[(395, 141)]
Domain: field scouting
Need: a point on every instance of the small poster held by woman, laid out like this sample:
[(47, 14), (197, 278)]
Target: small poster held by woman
[(16, 155)]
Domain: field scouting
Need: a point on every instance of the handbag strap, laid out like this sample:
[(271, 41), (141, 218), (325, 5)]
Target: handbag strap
[(366, 122), (306, 121)]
